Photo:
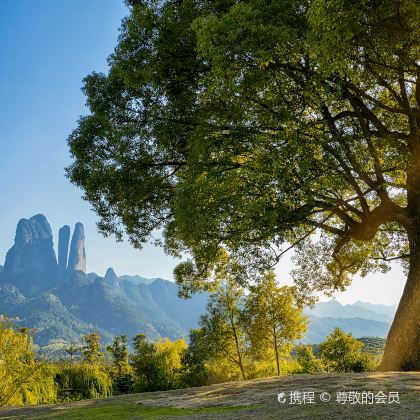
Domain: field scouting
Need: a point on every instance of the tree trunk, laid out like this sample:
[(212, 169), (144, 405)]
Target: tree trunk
[(241, 366), (402, 350), (276, 350)]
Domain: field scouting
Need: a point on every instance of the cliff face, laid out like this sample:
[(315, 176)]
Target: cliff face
[(63, 250), (77, 255), (33, 251), (111, 277), (31, 263)]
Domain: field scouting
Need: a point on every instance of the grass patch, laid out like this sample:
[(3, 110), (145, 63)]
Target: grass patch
[(131, 411)]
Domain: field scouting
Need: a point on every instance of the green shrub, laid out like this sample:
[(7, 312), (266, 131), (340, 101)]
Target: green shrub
[(42, 388), (81, 380), (306, 359), (341, 352), (123, 383)]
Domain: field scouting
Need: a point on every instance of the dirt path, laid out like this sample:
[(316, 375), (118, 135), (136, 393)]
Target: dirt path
[(375, 396)]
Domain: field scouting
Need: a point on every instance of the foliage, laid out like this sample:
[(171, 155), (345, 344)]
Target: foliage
[(119, 353), (18, 368), (243, 127), (166, 364), (72, 350), (373, 345), (157, 366), (308, 363), (194, 361), (271, 317), (91, 350), (41, 389), (143, 363), (121, 369), (239, 125), (222, 325), (340, 352), (82, 380)]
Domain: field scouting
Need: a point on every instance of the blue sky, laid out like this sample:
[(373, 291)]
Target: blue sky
[(46, 48)]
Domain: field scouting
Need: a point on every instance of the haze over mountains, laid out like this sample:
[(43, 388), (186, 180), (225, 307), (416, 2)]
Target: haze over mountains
[(60, 300), (362, 319)]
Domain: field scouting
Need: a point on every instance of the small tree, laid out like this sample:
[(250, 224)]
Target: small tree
[(222, 326), (17, 364), (157, 365), (122, 378), (168, 361), (194, 369), (341, 352), (72, 350), (272, 317), (119, 353), (307, 360), (91, 350), (143, 362)]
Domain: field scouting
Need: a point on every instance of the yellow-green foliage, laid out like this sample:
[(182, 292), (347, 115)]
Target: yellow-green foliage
[(341, 352), (169, 354), (82, 380), (157, 366), (42, 389), (221, 370), (306, 360), (18, 369)]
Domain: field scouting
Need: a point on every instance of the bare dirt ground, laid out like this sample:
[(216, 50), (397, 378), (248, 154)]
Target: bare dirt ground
[(392, 395)]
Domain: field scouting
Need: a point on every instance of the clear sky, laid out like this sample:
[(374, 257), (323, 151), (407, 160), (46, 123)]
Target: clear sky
[(46, 48)]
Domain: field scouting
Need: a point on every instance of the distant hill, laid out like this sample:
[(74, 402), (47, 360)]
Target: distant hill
[(56, 297), (137, 279), (60, 301), (359, 318), (320, 327), (81, 305), (388, 310), (334, 309), (373, 345)]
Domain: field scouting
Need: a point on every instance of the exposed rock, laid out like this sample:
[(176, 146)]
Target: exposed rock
[(113, 281), (77, 255), (63, 249), (110, 276), (33, 251)]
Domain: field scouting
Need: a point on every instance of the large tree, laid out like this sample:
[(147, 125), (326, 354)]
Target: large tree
[(240, 127)]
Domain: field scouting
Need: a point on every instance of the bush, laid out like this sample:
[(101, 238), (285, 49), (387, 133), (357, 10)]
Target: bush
[(157, 366), (20, 377), (341, 352), (81, 380), (40, 390), (123, 383), (307, 361)]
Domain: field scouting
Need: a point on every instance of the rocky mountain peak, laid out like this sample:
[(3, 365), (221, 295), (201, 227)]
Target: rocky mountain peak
[(77, 255), (63, 249), (33, 250), (34, 230), (110, 276)]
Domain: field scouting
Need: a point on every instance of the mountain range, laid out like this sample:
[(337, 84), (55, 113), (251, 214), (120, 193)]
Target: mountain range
[(60, 300), (55, 296), (362, 319)]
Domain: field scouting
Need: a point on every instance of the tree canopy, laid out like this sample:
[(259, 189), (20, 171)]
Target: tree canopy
[(272, 317), (244, 128)]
